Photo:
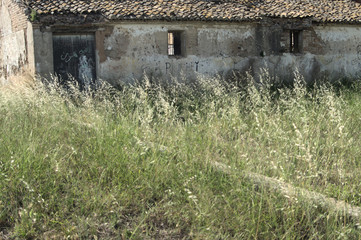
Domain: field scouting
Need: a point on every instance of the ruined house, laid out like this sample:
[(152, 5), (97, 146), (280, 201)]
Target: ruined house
[(120, 40)]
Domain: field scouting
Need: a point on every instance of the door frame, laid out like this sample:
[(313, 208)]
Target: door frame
[(75, 32)]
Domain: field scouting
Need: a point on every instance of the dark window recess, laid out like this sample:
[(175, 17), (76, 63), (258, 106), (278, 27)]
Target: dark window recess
[(295, 41), (74, 58), (174, 44)]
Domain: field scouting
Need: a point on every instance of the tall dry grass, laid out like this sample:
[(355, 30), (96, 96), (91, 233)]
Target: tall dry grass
[(135, 163)]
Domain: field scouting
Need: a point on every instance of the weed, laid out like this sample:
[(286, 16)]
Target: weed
[(135, 163)]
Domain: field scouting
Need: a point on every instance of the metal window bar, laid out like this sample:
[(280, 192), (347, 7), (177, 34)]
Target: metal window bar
[(170, 44), (294, 42)]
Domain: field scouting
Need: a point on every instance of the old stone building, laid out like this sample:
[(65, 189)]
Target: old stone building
[(120, 40)]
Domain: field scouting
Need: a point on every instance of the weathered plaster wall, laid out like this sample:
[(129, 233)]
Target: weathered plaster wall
[(43, 51), (342, 50), (332, 51), (15, 41), (127, 50)]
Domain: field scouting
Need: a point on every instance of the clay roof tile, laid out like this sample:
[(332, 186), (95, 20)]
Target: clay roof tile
[(221, 10)]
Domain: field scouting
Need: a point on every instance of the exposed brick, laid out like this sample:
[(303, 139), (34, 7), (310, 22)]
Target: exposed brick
[(17, 15), (14, 37), (312, 43)]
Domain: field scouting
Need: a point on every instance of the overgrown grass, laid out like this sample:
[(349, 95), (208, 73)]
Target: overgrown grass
[(136, 163)]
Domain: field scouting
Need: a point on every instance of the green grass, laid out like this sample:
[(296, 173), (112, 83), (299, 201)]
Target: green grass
[(136, 163)]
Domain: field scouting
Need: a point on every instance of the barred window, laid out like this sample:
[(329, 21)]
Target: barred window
[(295, 46), (174, 43)]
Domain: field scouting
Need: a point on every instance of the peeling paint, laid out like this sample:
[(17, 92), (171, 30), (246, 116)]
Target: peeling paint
[(128, 50), (13, 47)]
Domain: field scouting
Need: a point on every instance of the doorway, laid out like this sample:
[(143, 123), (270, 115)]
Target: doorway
[(74, 59)]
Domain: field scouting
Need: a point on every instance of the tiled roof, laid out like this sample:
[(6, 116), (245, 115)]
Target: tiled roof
[(204, 10)]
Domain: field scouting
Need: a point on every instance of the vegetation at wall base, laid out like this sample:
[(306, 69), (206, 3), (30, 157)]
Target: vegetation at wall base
[(136, 163)]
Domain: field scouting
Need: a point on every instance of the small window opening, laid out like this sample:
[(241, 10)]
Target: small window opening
[(295, 41), (174, 44)]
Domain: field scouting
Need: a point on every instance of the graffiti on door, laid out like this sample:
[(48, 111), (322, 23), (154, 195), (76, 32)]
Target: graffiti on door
[(74, 58)]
